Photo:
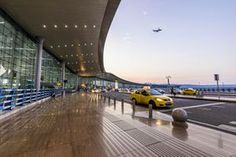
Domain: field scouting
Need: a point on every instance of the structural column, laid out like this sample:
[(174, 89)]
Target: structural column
[(39, 64), (63, 69)]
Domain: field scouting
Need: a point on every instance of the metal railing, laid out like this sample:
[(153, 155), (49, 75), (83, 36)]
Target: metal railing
[(10, 98)]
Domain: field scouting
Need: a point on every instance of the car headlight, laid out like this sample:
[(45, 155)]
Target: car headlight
[(158, 99)]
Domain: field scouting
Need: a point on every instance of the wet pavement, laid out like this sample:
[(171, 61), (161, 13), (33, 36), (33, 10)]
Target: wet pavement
[(213, 114), (84, 125)]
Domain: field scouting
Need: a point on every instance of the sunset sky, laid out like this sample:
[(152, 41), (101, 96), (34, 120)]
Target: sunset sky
[(198, 39)]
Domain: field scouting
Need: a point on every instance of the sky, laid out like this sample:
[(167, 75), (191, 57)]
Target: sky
[(198, 39)]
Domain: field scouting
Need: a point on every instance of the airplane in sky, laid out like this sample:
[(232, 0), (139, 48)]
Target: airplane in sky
[(157, 30)]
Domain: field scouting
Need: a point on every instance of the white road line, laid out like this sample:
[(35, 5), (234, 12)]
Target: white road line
[(203, 105), (227, 127), (219, 106), (233, 123)]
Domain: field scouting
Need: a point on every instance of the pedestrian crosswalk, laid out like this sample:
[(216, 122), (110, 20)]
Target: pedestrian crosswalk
[(231, 126)]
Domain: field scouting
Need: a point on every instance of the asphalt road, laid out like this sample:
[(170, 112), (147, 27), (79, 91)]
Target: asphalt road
[(208, 113)]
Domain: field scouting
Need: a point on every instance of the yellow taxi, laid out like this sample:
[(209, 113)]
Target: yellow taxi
[(151, 96), (190, 91)]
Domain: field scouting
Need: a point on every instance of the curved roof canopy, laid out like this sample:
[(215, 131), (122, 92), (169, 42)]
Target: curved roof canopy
[(74, 30)]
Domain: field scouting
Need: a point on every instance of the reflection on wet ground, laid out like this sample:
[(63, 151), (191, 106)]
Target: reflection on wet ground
[(86, 125)]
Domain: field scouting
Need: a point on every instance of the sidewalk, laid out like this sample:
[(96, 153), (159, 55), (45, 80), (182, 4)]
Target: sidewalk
[(210, 141), (87, 126)]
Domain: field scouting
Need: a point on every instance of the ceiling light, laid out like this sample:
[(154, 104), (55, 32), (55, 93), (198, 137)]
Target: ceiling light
[(77, 55), (68, 63), (58, 46), (61, 56), (76, 26), (66, 26), (78, 44), (71, 55), (85, 26), (2, 22), (44, 26), (72, 45), (55, 26), (91, 44), (91, 54), (51, 47), (94, 26), (66, 55), (65, 45), (85, 44)]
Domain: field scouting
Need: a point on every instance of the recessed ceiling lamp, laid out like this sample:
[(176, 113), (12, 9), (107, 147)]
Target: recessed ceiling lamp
[(85, 44), (76, 26), (44, 26), (58, 46), (51, 47), (72, 45), (91, 44), (65, 45), (94, 26), (85, 26), (55, 26), (66, 26)]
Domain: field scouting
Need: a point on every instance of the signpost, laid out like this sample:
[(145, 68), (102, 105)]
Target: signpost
[(217, 78)]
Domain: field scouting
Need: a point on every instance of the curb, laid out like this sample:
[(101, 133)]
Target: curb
[(207, 99)]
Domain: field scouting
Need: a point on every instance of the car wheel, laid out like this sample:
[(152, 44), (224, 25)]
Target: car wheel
[(153, 104), (134, 101)]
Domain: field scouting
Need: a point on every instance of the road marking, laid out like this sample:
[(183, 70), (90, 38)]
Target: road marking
[(202, 105), (218, 106), (227, 127), (233, 122), (205, 109)]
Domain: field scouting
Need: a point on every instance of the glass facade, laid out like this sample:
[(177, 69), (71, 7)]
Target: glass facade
[(18, 60), (17, 57), (72, 80), (51, 71)]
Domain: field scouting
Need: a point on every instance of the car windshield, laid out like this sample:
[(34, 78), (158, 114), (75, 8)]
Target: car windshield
[(154, 92)]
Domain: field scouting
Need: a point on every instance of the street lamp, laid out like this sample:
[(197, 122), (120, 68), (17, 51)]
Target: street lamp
[(168, 81)]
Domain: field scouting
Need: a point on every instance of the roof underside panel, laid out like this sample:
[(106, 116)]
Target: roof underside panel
[(74, 30)]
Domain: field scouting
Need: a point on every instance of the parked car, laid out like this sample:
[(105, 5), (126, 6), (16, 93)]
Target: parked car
[(151, 96), (178, 91), (190, 91), (160, 90)]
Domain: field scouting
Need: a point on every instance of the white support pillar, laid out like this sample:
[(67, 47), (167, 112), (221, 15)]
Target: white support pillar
[(39, 64)]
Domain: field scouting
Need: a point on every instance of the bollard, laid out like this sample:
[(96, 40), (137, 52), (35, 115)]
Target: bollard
[(150, 111), (114, 103), (122, 106), (133, 106), (180, 117), (104, 98)]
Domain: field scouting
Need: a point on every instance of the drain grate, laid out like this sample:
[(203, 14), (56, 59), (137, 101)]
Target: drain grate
[(141, 137), (111, 117), (124, 125), (162, 149)]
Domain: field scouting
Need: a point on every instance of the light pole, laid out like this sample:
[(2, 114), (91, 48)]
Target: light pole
[(217, 78), (168, 81)]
